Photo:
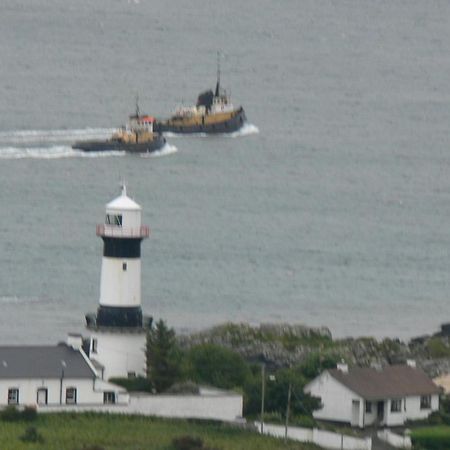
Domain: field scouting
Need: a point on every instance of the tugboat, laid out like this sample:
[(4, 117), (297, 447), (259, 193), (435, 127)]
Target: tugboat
[(213, 113), (138, 136)]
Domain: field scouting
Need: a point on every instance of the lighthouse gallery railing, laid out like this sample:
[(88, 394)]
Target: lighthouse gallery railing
[(113, 231)]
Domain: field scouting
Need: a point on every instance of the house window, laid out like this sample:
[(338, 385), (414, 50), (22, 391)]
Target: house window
[(94, 345), (368, 407), (396, 405), (131, 374), (71, 395), (42, 396), (109, 397), (13, 396), (425, 402), (124, 266)]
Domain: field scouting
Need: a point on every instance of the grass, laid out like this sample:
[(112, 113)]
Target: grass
[(432, 438), (70, 431)]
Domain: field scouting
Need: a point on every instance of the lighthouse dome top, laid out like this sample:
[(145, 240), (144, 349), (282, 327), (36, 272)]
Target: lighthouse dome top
[(123, 202)]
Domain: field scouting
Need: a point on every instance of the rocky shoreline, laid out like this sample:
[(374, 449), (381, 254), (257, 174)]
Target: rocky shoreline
[(283, 345)]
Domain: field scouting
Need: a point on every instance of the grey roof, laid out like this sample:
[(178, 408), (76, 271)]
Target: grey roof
[(389, 382), (43, 362)]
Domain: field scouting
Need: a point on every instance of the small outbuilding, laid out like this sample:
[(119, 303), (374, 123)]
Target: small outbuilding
[(386, 396)]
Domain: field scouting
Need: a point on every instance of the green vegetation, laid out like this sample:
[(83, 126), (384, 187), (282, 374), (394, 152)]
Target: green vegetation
[(431, 438), (72, 431), (139, 384), (437, 348), (173, 370), (163, 357), (216, 366)]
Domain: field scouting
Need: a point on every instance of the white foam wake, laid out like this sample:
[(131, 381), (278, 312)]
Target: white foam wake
[(42, 136), (168, 149), (54, 144), (247, 130)]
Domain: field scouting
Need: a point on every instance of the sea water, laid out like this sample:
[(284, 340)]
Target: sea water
[(331, 208)]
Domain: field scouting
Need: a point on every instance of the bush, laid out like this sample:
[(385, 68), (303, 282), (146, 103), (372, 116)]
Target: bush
[(29, 414), (92, 447), (11, 414), (188, 443), (31, 435), (186, 387), (137, 384), (437, 348), (217, 366)]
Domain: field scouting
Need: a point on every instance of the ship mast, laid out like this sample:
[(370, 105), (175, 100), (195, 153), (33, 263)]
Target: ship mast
[(218, 75), (137, 106)]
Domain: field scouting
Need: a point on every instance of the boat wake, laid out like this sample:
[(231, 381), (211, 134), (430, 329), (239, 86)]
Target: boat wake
[(166, 150), (247, 130), (55, 144)]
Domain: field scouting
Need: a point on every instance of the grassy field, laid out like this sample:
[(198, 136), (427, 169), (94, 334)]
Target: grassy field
[(432, 438), (111, 432)]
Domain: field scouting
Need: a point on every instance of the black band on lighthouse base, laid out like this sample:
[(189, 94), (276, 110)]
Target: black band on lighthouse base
[(115, 316)]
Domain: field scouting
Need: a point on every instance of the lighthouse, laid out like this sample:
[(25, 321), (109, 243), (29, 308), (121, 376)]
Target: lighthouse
[(118, 329)]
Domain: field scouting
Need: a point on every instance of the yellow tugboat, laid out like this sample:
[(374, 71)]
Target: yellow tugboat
[(138, 136), (213, 113)]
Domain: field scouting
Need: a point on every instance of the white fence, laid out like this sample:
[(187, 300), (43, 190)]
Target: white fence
[(326, 439), (394, 439)]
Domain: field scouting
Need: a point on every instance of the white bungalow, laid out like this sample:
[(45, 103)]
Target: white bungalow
[(369, 396), (56, 375)]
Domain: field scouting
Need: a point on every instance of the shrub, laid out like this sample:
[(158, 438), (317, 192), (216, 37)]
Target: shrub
[(92, 447), (186, 387), (31, 435), (187, 443), (437, 348), (10, 414), (217, 366), (29, 414), (137, 384)]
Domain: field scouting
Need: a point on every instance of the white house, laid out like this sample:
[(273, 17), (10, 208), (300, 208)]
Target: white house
[(367, 396), (52, 375)]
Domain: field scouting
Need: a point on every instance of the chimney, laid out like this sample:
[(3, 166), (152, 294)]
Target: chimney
[(411, 363), (342, 367), (75, 341)]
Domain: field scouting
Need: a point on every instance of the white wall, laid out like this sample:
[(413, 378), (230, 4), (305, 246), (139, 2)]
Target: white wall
[(28, 390), (224, 406), (120, 353), (336, 399), (394, 439)]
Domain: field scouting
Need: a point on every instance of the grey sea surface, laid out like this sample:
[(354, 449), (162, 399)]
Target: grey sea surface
[(335, 213)]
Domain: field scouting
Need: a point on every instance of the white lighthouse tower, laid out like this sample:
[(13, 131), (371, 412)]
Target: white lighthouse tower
[(118, 330)]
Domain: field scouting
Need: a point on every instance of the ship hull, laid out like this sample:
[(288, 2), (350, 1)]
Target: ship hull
[(110, 145), (204, 124)]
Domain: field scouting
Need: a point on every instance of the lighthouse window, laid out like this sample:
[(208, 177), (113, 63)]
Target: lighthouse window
[(124, 266), (114, 219)]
